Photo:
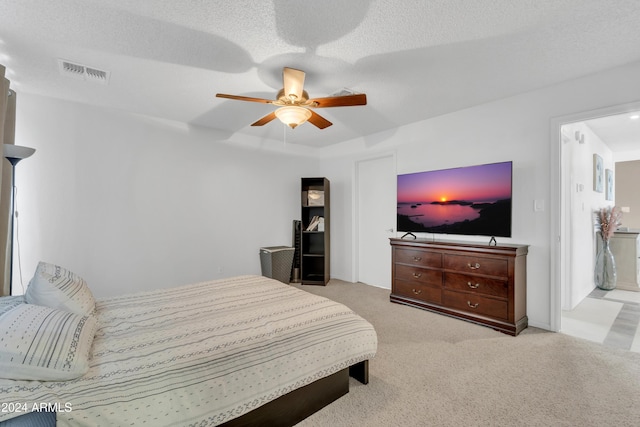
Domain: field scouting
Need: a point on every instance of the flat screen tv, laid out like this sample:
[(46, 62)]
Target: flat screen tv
[(471, 200)]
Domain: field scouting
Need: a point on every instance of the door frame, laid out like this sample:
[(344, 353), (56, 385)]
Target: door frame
[(355, 211), (560, 218)]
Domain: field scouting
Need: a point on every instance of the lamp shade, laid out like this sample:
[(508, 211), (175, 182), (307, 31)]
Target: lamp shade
[(293, 115), (15, 153)]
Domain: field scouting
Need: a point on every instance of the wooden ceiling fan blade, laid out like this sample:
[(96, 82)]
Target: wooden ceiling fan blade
[(244, 98), (293, 82), (340, 101), (266, 119), (319, 121)]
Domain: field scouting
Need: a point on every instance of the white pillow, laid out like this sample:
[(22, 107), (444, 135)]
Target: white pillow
[(56, 287), (44, 344), (7, 303)]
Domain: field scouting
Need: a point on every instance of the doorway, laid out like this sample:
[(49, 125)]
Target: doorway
[(566, 188)]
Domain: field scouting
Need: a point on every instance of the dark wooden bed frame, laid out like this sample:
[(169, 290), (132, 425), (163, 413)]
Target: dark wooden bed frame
[(284, 411), (298, 404)]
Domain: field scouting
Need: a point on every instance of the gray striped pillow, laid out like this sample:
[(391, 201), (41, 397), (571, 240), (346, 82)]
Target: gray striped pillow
[(41, 343), (56, 287)]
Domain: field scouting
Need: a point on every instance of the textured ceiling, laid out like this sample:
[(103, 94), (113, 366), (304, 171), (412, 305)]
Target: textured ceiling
[(414, 59)]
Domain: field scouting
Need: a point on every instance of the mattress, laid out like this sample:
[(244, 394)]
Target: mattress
[(200, 354)]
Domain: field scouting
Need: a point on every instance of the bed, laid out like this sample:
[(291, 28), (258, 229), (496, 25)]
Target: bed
[(248, 350)]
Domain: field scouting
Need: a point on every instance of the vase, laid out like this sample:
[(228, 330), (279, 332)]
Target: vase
[(605, 271)]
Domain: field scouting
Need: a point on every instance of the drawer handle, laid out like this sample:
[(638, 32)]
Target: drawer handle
[(417, 275), (472, 305), (472, 266), (472, 286), (417, 291), (417, 258)]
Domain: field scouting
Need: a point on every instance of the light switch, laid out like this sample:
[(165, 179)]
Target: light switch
[(625, 209), (538, 205)]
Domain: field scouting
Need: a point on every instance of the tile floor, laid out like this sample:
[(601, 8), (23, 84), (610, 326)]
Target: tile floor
[(608, 317)]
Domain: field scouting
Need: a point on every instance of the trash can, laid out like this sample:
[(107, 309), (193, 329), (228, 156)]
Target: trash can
[(276, 262)]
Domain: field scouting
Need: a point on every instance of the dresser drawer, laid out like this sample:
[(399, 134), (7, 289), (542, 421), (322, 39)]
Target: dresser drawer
[(417, 257), (413, 274), (476, 284), (476, 265), (476, 304), (418, 291)]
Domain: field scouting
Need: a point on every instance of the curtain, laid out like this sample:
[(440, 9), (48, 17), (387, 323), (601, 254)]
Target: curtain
[(7, 136)]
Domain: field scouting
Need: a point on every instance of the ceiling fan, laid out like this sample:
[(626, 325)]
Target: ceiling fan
[(295, 105)]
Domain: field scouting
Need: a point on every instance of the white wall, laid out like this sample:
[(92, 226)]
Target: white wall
[(490, 133), (112, 197), (583, 202), (517, 129), (131, 203)]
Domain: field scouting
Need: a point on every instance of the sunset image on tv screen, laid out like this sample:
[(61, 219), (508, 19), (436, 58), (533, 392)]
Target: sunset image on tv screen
[(472, 200)]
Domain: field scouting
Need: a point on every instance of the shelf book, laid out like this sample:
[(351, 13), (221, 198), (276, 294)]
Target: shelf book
[(316, 224)]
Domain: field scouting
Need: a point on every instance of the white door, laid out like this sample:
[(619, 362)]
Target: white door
[(376, 183)]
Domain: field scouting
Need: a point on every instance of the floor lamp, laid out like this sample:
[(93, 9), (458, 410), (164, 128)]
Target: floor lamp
[(14, 153)]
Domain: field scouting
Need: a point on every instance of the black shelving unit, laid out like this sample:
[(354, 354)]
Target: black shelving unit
[(315, 241)]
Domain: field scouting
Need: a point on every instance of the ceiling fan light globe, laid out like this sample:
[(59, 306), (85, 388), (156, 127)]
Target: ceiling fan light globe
[(292, 115)]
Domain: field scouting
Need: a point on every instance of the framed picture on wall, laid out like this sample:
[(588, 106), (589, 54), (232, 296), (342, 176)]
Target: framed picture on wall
[(598, 174), (609, 178)]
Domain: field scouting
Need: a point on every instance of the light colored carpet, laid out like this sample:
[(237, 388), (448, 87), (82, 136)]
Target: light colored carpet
[(433, 370)]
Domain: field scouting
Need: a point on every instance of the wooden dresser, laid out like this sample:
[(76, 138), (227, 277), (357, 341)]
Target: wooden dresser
[(482, 284)]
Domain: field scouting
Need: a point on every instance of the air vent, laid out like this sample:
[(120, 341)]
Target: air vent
[(83, 72)]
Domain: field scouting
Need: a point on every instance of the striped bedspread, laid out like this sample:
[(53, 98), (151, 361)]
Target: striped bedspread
[(202, 354)]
